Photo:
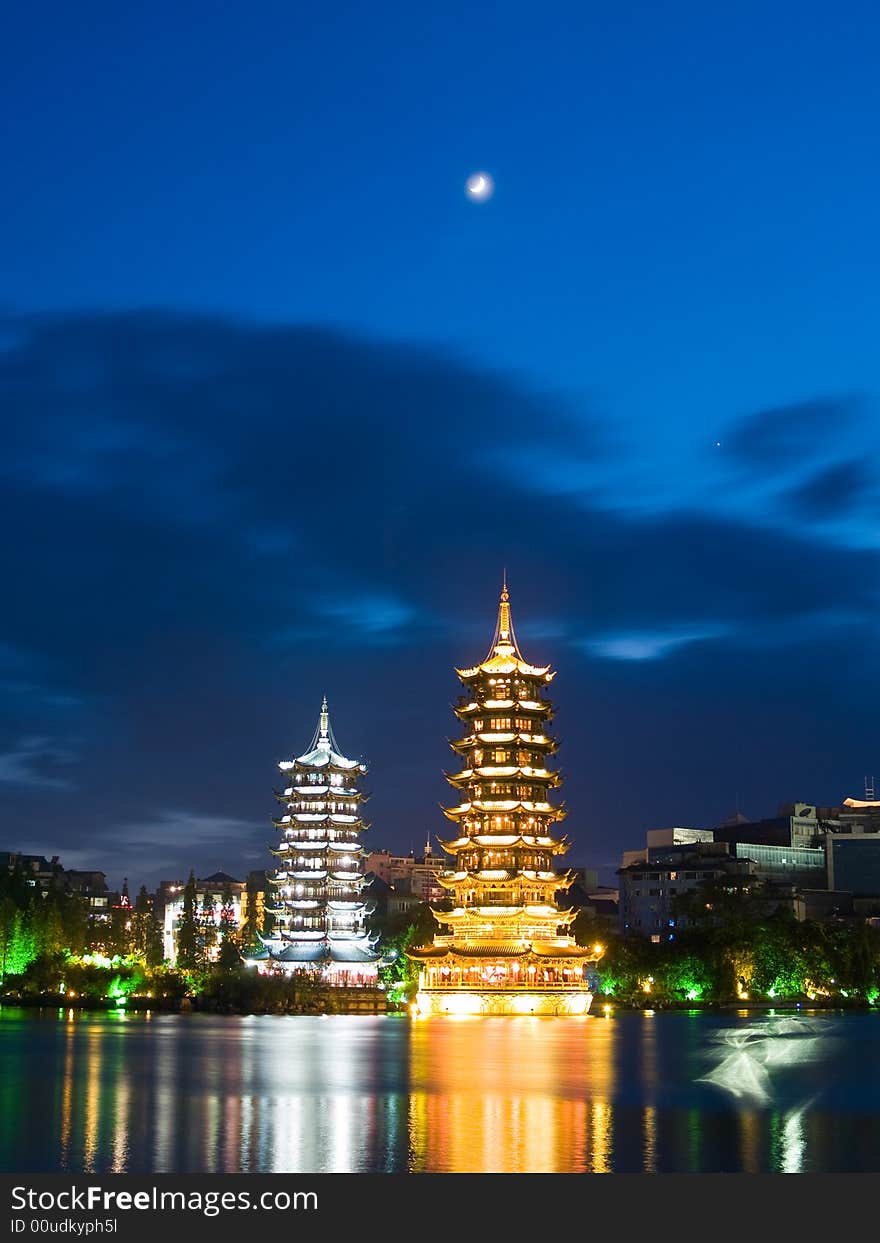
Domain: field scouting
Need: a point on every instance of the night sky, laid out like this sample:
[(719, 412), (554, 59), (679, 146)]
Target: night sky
[(280, 404)]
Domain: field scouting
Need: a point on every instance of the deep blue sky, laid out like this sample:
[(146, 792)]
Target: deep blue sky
[(279, 402)]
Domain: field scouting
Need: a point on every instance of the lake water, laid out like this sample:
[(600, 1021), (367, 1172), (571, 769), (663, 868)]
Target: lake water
[(626, 1092)]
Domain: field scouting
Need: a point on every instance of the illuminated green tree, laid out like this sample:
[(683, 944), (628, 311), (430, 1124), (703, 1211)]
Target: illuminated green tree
[(17, 942)]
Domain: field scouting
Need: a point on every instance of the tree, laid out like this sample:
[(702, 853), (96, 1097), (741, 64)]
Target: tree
[(146, 935), (188, 957), (250, 924), (398, 973), (17, 944), (120, 939), (228, 956), (208, 928)]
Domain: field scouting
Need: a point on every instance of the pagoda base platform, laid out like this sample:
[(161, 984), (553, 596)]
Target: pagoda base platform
[(496, 1001)]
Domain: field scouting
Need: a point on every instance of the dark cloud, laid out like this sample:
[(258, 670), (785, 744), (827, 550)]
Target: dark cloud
[(212, 523), (776, 439), (836, 491), (37, 762)]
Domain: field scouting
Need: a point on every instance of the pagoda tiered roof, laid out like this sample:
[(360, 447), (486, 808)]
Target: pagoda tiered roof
[(542, 742), (479, 916), (488, 879), (553, 845), (538, 707), (309, 819), (503, 949), (324, 752), (505, 772), (320, 791), (504, 656), (321, 952), (506, 806)]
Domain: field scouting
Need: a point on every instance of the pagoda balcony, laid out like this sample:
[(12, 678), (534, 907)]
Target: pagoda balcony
[(308, 817), (523, 698), (309, 810), (321, 791), (542, 743), (525, 980), (345, 876), (313, 874)]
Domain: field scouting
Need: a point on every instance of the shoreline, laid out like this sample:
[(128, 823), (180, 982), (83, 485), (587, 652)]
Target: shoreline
[(187, 1006)]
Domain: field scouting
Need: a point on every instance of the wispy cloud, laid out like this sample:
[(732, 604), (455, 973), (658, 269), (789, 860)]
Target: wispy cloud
[(34, 762), (372, 615), (653, 645), (359, 617)]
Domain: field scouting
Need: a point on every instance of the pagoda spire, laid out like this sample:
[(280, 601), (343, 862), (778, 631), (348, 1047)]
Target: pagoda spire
[(504, 639), (323, 742)]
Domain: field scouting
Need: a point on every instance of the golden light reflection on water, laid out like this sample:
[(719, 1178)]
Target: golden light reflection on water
[(601, 1138), (92, 1099), (511, 1095), (67, 1091)]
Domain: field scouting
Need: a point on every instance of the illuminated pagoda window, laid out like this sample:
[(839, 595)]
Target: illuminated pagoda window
[(507, 949), (317, 901)]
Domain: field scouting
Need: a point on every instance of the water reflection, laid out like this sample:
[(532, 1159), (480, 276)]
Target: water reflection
[(500, 1095), (751, 1066), (624, 1092)]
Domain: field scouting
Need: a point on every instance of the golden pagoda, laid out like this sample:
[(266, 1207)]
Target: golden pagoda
[(507, 949)]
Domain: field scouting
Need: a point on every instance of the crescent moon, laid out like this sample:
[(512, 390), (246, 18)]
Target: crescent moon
[(478, 185)]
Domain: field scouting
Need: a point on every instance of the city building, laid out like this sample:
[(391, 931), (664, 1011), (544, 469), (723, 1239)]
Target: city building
[(854, 864), (665, 839), (317, 904), (858, 816), (508, 950), (818, 862), (651, 889), (416, 875), (92, 888), (37, 871), (219, 902), (792, 865)]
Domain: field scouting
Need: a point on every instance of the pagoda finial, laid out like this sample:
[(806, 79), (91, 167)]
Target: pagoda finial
[(324, 727), (504, 614), (504, 640)]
